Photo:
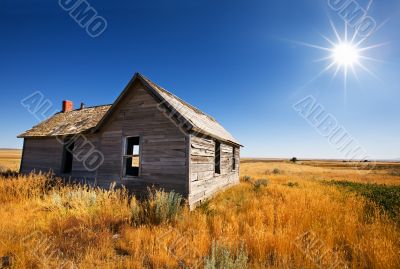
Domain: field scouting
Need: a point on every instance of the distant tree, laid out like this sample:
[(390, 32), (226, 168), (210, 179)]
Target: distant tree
[(293, 160)]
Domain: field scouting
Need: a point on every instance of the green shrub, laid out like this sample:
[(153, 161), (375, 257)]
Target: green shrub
[(260, 183), (293, 160), (206, 208), (160, 207), (136, 211), (221, 257), (293, 184), (276, 171), (247, 178)]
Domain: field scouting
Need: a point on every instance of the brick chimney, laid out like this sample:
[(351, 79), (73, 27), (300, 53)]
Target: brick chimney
[(67, 106)]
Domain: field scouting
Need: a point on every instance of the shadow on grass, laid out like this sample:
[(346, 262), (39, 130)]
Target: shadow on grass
[(8, 174)]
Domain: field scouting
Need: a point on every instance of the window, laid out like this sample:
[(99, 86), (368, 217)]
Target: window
[(132, 156), (217, 158), (233, 159), (68, 157)]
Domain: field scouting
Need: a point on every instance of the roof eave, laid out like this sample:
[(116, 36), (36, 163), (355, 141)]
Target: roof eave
[(200, 131)]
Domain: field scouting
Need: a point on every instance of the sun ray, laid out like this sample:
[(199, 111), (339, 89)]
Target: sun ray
[(374, 46), (345, 82), (353, 70), (368, 71), (318, 75), (362, 40), (335, 31), (323, 59), (354, 35), (312, 46), (327, 39), (382, 24), (329, 66), (372, 59), (336, 71)]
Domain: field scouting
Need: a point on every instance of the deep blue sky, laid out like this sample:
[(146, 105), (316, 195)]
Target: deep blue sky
[(232, 59)]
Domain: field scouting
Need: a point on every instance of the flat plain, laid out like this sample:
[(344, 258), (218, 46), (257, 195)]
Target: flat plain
[(10, 159), (308, 214)]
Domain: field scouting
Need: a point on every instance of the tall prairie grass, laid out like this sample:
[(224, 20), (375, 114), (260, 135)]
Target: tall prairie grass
[(44, 224)]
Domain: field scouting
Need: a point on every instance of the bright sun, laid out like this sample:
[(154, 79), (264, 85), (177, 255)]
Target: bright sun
[(345, 54)]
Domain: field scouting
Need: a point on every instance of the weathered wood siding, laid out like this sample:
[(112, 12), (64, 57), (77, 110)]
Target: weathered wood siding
[(41, 154), (163, 145), (85, 146), (203, 181)]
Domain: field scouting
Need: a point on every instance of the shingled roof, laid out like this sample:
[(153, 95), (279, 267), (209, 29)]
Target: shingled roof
[(68, 123), (92, 118)]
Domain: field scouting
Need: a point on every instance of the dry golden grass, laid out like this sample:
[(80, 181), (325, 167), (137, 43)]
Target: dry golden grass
[(10, 159), (66, 226), (382, 173)]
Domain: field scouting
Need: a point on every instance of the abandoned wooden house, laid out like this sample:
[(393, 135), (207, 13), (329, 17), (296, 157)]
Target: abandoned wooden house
[(147, 137)]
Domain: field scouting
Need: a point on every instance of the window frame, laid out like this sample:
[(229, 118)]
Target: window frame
[(233, 158), (217, 166), (125, 157)]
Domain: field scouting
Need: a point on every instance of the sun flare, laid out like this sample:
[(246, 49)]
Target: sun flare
[(345, 54)]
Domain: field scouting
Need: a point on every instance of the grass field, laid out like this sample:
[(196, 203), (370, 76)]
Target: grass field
[(311, 214), (10, 159)]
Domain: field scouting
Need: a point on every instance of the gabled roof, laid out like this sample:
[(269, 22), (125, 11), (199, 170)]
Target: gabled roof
[(92, 119)]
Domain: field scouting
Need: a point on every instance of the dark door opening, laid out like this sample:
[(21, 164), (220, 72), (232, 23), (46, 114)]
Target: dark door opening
[(68, 156)]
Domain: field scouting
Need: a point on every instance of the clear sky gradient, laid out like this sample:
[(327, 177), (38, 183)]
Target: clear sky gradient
[(236, 60)]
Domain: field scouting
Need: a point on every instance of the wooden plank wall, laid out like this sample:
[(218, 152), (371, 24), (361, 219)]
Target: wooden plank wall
[(41, 154), (84, 146), (203, 181), (163, 145), (45, 154)]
